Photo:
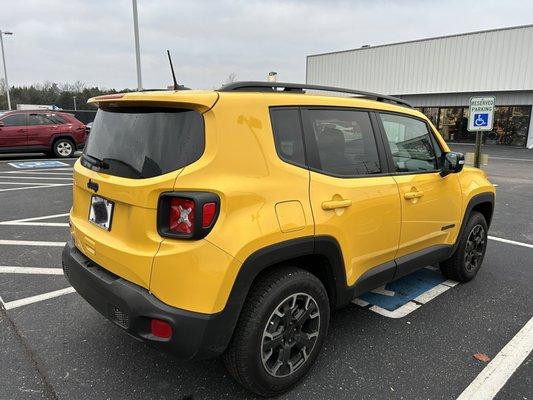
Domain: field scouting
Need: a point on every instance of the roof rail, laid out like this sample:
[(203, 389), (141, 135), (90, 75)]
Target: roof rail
[(258, 86)]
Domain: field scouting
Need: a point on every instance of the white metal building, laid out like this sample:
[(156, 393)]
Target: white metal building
[(439, 75)]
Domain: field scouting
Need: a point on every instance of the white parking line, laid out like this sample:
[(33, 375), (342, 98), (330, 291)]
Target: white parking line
[(30, 221), (29, 171), (34, 177), (494, 376), (22, 183), (30, 243), (34, 299), (39, 159), (511, 242), (511, 159), (30, 270), (37, 187), (400, 312), (431, 293), (36, 172)]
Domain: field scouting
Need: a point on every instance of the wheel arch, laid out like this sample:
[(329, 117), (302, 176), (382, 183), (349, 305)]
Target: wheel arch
[(60, 136), (320, 255), (482, 203)]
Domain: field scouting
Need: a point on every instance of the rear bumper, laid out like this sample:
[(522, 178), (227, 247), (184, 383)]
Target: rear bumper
[(131, 307)]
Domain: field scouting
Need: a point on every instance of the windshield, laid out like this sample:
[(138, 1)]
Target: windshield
[(143, 142)]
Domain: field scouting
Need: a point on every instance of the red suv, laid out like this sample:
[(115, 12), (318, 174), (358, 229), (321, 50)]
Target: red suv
[(45, 131)]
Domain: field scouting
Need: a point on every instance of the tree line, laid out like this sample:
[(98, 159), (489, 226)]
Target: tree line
[(52, 93)]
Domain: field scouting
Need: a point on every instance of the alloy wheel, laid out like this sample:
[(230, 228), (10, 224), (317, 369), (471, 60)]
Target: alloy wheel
[(64, 148), (290, 335), (475, 246)]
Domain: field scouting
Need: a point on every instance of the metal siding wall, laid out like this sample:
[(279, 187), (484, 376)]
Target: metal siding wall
[(463, 99), (497, 60)]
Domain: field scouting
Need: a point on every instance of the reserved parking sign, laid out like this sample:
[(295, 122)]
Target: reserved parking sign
[(481, 114)]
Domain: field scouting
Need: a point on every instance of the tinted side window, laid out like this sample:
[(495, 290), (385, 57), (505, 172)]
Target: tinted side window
[(15, 120), (57, 119), (41, 119), (410, 143), (345, 141), (288, 135)]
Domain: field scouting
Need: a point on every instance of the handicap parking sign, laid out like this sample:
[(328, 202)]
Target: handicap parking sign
[(481, 119), (481, 114)]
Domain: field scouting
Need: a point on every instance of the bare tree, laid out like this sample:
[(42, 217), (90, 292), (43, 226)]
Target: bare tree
[(231, 78)]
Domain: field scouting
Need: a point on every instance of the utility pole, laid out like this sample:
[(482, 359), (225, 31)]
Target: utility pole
[(5, 66), (137, 47), (74, 97)]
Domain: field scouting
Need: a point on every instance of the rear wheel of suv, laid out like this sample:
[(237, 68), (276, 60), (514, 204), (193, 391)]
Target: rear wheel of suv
[(464, 264), (63, 148), (280, 331)]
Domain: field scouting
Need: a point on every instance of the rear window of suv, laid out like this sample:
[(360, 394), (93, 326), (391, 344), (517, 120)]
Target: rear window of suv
[(144, 142)]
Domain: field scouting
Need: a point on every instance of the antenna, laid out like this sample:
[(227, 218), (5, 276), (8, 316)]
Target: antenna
[(176, 86)]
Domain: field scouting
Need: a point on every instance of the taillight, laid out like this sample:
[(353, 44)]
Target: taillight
[(208, 214), (187, 215), (181, 216)]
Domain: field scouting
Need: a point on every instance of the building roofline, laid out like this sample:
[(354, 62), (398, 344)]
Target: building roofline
[(422, 40)]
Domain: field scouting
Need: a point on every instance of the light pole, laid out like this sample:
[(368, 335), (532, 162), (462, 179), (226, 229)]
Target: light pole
[(5, 66), (74, 97), (137, 47)]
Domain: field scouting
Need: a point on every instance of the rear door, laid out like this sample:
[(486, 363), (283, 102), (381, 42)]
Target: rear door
[(41, 128), (431, 204), (14, 132), (141, 152), (353, 199)]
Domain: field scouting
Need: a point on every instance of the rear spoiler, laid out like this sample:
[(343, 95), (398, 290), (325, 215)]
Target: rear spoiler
[(201, 101)]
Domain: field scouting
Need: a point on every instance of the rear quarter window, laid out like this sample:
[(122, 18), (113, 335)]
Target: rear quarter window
[(288, 135)]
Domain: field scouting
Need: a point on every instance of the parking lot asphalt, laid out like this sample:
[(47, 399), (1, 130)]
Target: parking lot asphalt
[(61, 348)]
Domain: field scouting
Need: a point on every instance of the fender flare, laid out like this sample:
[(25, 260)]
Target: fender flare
[(277, 253), (481, 198)]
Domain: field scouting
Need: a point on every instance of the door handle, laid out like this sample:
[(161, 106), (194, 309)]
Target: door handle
[(333, 204), (413, 195)]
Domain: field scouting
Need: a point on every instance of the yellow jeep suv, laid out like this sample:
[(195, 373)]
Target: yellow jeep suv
[(232, 222)]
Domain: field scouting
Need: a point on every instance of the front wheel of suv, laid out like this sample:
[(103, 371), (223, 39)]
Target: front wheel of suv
[(464, 264), (63, 148), (280, 331)]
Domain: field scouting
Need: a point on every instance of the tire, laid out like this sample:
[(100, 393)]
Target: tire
[(464, 264), (273, 295), (63, 148)]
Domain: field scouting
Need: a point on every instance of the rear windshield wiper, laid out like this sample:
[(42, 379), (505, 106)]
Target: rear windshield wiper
[(96, 162), (131, 168)]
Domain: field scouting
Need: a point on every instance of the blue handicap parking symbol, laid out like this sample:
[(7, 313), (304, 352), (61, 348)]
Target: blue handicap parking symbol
[(39, 164), (402, 291), (481, 119)]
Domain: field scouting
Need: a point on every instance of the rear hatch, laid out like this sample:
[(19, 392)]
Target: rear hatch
[(139, 144)]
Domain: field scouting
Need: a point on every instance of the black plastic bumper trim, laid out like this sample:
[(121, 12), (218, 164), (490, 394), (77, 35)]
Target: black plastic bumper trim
[(131, 307)]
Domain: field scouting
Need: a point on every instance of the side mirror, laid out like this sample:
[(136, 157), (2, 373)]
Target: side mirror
[(452, 162)]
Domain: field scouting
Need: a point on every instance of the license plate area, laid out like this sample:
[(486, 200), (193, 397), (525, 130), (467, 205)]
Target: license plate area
[(101, 212)]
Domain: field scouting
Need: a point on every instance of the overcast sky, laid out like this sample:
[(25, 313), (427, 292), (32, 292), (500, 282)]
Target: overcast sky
[(92, 40)]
